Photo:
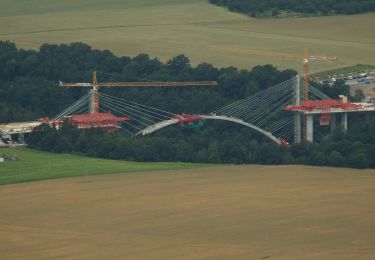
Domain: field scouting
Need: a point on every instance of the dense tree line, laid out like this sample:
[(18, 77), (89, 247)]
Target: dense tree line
[(235, 145), (29, 80), (308, 7), (29, 89)]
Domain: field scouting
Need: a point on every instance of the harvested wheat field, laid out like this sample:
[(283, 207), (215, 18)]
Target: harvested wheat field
[(202, 31), (228, 212)]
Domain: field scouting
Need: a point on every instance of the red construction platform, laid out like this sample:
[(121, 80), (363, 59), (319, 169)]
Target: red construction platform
[(324, 106), (95, 120), (186, 118)]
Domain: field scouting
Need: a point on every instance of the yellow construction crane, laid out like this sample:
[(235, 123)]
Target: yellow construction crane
[(305, 57), (94, 85)]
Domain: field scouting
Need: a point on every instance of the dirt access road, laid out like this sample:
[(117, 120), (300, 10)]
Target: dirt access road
[(228, 212)]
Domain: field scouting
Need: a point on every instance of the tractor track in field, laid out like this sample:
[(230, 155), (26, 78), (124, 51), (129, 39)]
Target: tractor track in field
[(210, 24), (115, 27)]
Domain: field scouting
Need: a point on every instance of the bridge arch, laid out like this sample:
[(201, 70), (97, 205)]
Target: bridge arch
[(166, 123)]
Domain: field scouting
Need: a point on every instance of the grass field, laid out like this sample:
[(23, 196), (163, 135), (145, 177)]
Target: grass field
[(227, 212), (164, 28), (36, 165)]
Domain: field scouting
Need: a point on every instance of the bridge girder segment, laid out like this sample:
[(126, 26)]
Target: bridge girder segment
[(165, 123)]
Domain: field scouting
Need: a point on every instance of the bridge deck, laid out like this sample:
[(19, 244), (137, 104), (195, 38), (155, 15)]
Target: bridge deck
[(19, 128), (165, 123)]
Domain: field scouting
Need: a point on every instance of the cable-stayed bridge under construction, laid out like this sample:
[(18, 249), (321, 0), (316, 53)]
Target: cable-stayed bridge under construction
[(277, 113)]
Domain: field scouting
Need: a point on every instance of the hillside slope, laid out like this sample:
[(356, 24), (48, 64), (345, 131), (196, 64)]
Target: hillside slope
[(165, 28)]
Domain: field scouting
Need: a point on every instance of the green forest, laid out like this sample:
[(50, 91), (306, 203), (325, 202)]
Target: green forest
[(267, 8), (29, 90)]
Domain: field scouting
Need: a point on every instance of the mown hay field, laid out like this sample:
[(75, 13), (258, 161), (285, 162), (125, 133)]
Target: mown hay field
[(227, 212), (203, 32)]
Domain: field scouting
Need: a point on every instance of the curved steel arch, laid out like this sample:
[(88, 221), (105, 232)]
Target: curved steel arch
[(165, 123)]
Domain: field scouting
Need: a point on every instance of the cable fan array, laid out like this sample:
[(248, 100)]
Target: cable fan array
[(264, 109), (141, 116), (81, 106)]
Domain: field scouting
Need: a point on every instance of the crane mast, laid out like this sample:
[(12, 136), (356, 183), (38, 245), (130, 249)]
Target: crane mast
[(305, 86), (94, 97), (95, 85), (306, 73)]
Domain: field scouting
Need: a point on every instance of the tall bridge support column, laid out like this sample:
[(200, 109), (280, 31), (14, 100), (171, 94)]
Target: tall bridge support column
[(94, 101), (310, 128), (297, 115), (333, 122), (344, 121), (297, 127)]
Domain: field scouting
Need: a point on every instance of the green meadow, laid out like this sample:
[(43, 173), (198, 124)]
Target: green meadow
[(32, 165)]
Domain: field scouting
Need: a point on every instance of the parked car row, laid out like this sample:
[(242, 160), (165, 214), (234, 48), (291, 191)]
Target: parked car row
[(360, 78)]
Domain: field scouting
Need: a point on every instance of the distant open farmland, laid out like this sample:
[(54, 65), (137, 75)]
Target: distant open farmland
[(164, 28), (226, 212)]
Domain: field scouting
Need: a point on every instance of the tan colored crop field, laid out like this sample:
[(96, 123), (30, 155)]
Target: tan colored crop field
[(228, 212), (164, 28)]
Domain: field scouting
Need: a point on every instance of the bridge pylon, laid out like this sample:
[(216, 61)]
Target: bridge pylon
[(297, 114)]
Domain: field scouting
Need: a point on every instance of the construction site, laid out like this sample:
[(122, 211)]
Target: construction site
[(146, 120), (187, 129)]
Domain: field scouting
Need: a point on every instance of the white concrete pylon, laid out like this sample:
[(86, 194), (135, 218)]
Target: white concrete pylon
[(309, 128), (344, 121)]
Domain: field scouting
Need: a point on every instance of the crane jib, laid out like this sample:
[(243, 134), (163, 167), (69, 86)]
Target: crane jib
[(94, 95), (142, 84)]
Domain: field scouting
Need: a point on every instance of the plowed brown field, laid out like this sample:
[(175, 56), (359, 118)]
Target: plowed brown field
[(231, 212)]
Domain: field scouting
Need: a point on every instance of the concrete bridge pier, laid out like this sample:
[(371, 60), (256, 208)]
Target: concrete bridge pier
[(333, 122), (310, 128), (344, 121)]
